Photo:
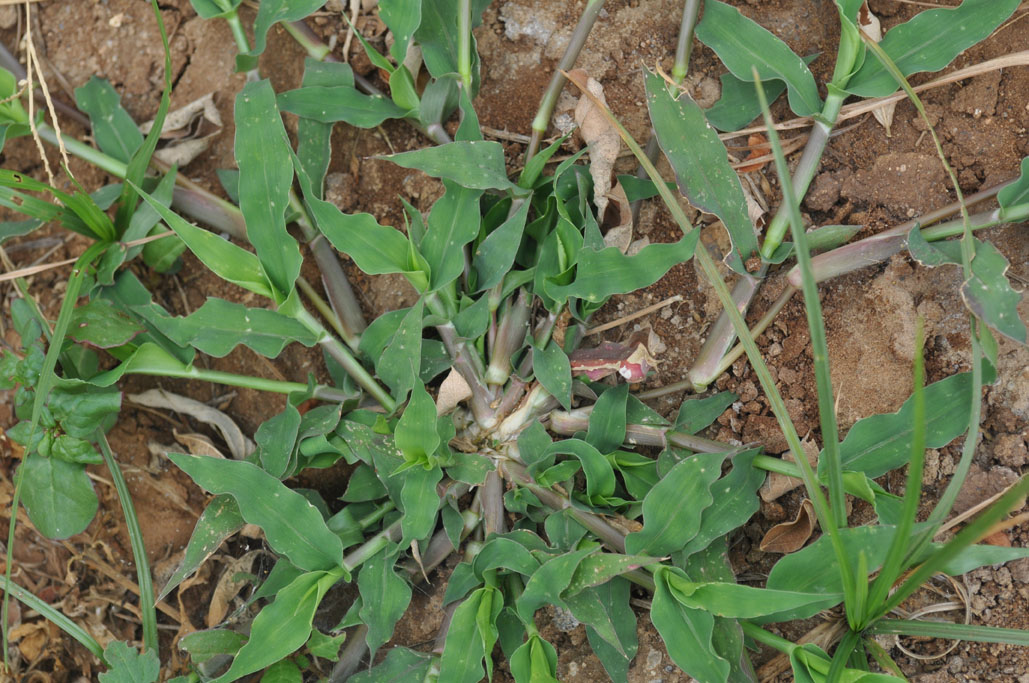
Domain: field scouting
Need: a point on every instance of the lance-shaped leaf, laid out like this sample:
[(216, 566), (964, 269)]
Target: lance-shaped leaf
[(291, 524), (114, 130), (419, 500), (283, 626), (743, 45), (734, 502), (673, 508), (701, 166), (399, 363), (314, 147), (453, 223), (610, 624), (687, 633), (929, 42), (219, 520), (268, 14), (552, 369), (496, 254), (1017, 192), (219, 326), (546, 585), (989, 295), (471, 637), (328, 104), (738, 104), (384, 597), (225, 259), (265, 174), (100, 324), (476, 165), (402, 17), (437, 35)]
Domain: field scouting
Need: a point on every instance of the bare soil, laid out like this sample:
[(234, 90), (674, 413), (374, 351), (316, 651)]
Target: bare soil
[(868, 177)]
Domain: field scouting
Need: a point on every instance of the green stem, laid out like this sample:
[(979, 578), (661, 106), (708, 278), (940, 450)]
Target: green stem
[(557, 82), (83, 151), (369, 548), (143, 578), (464, 44), (766, 638), (238, 34), (690, 12)]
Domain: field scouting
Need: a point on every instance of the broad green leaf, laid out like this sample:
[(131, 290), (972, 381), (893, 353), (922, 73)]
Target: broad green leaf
[(734, 502), (989, 295), (400, 666), (283, 626), (686, 632), (402, 89), (271, 12), (466, 643), (877, 444), (219, 520), (553, 370), (500, 552), (127, 665), (496, 254), (1017, 192), (98, 323), (217, 327), (474, 165), (202, 645), (438, 38), (737, 601), (398, 365), (265, 176), (291, 524), (282, 671), (743, 45), (384, 597), (547, 584), (534, 662), (58, 496), (453, 223), (599, 274), (607, 421), (225, 259), (328, 104), (402, 17), (738, 104), (673, 509), (600, 476), (600, 568), (113, 129), (610, 624), (74, 450), (419, 500), (325, 646), (701, 166), (314, 138), (929, 42)]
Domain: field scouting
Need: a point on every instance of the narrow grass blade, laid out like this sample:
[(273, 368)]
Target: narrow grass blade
[(936, 629)]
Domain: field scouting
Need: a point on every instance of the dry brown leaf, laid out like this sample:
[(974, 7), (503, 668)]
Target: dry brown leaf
[(778, 484), (187, 131), (869, 23), (239, 445), (198, 444), (452, 391), (600, 135), (31, 638), (617, 221), (229, 584), (758, 145), (791, 536)]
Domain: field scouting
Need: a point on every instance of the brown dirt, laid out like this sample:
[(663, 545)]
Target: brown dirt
[(867, 178)]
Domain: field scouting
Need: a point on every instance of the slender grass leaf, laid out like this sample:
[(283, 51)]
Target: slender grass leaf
[(734, 502), (877, 444), (329, 104), (475, 165), (269, 13), (219, 520), (929, 42), (225, 259), (292, 525), (113, 129), (607, 421), (453, 223), (265, 175), (384, 597), (743, 45), (686, 632), (283, 626), (553, 370), (989, 295), (9, 229), (127, 665), (100, 324), (701, 166), (419, 500), (402, 17), (466, 643), (219, 326), (736, 601), (398, 365), (981, 634), (599, 274), (58, 496), (673, 509), (1017, 192), (400, 666)]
